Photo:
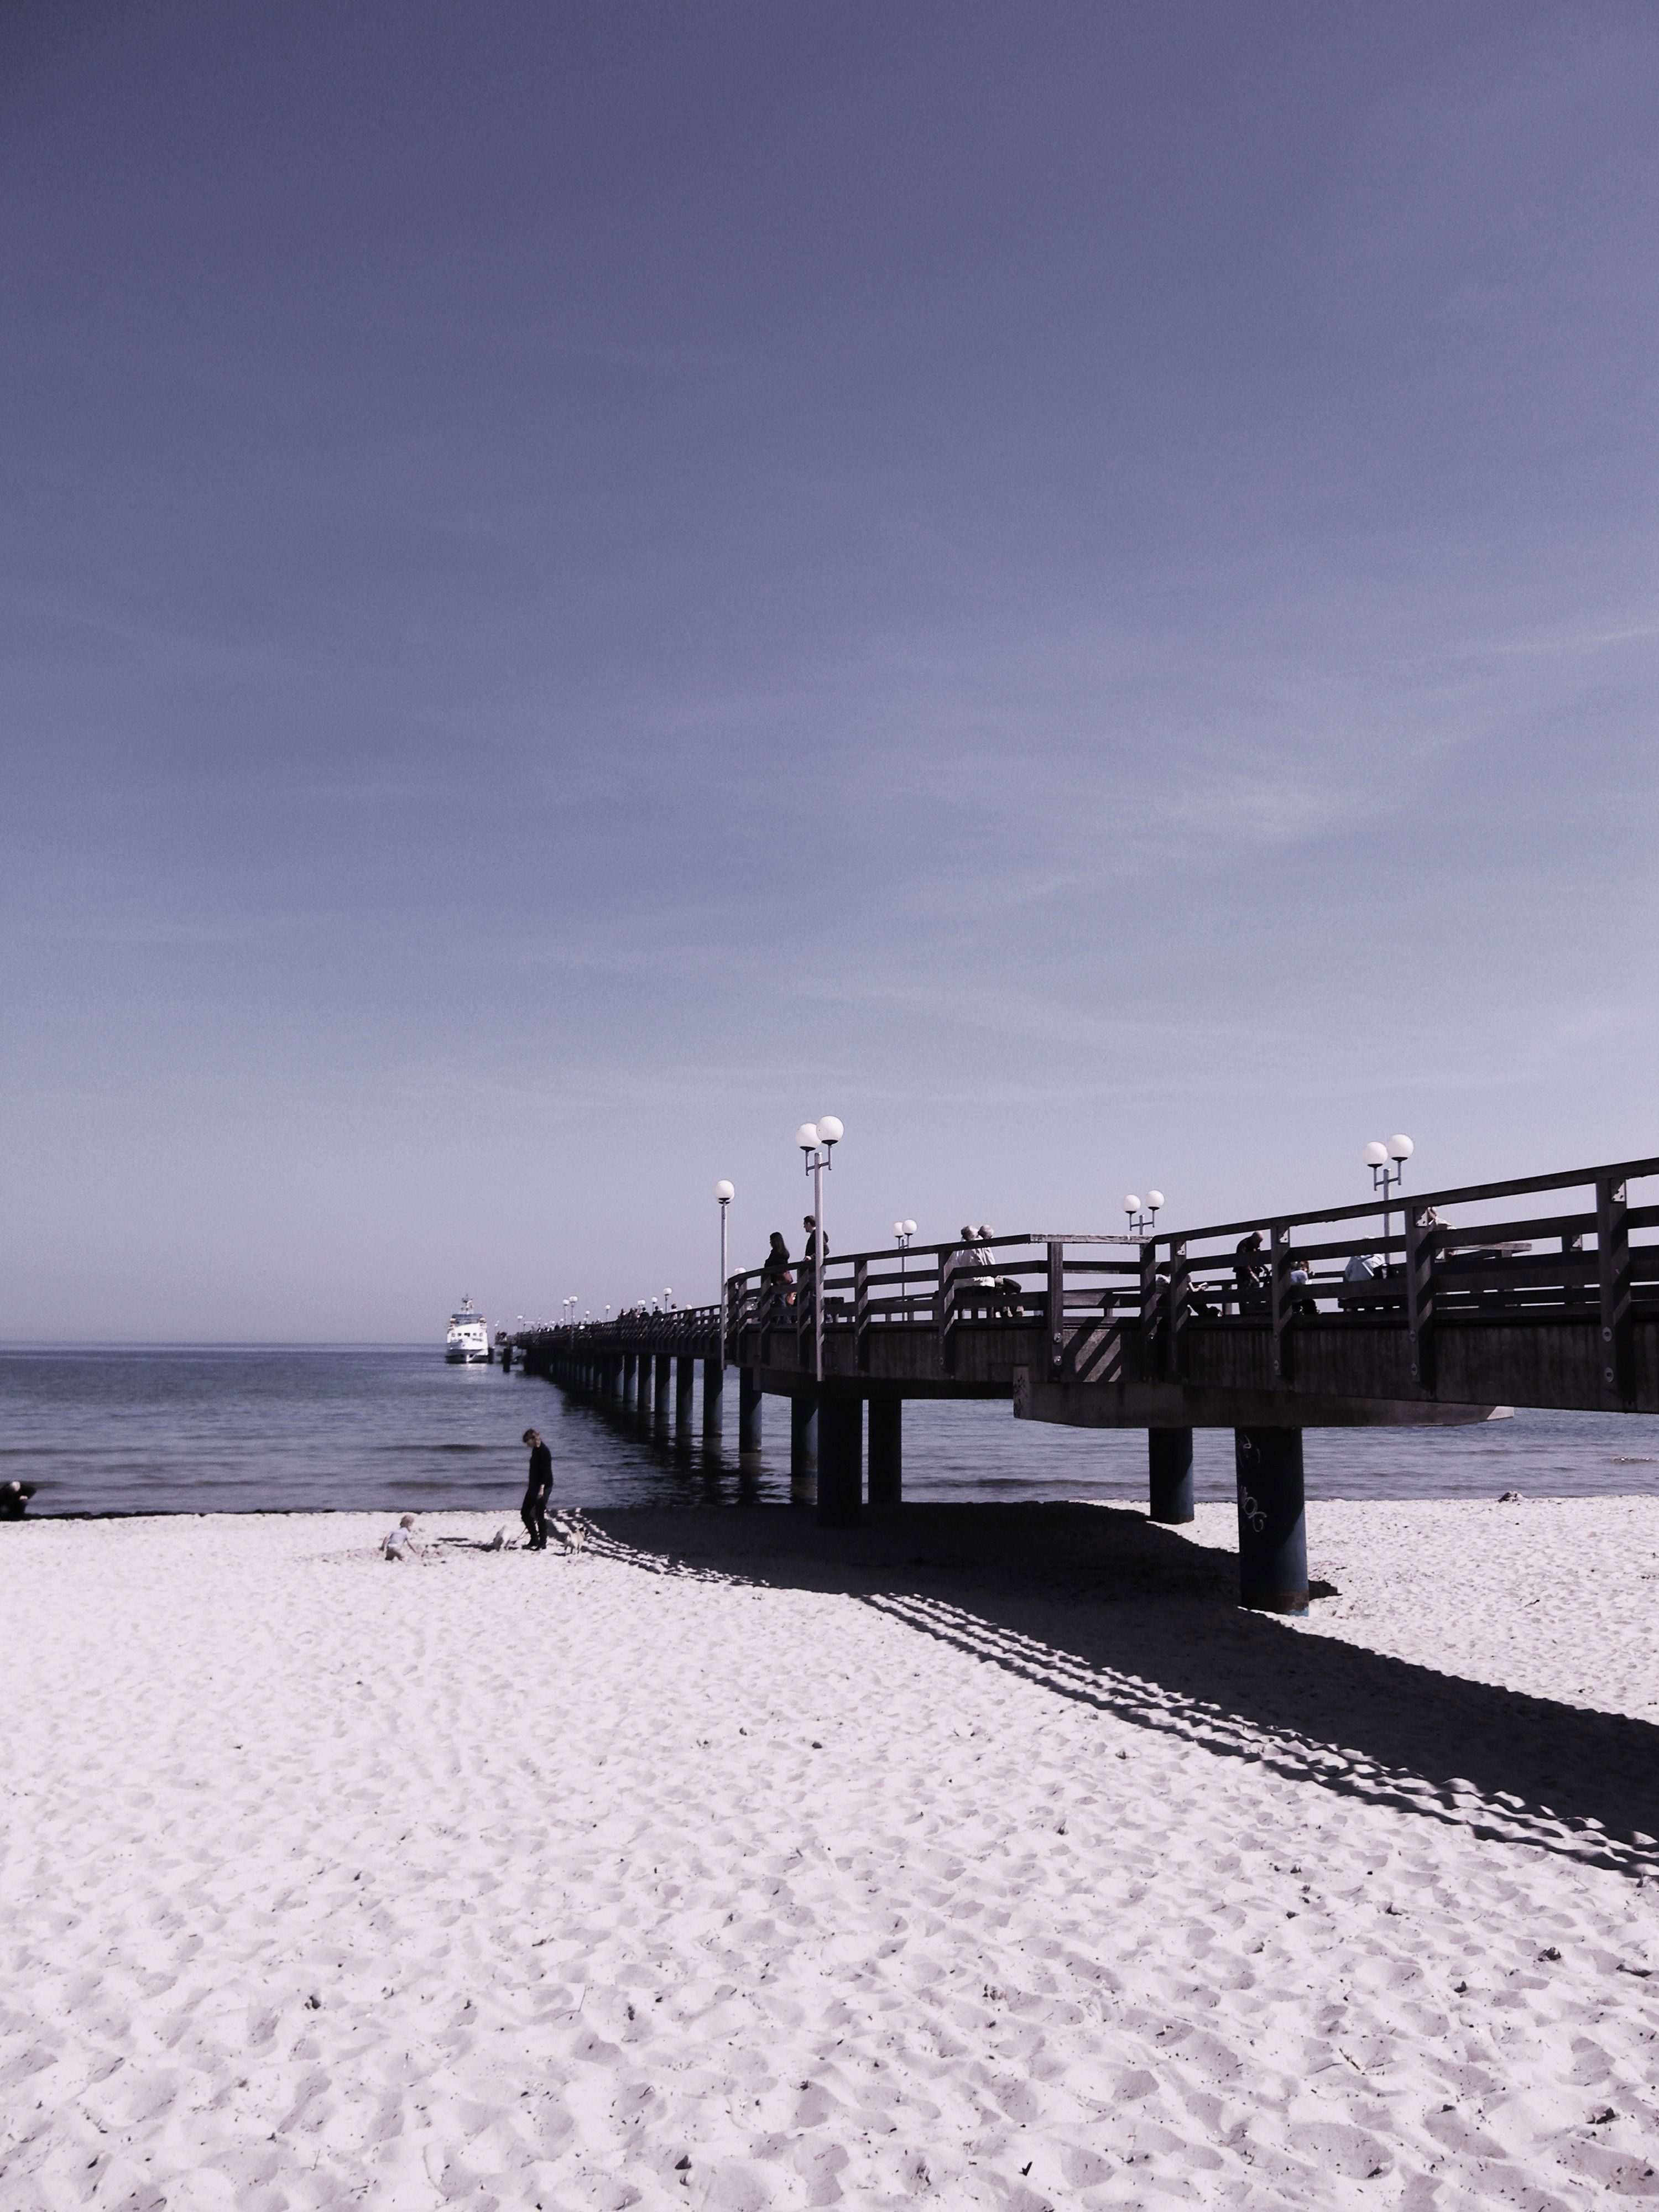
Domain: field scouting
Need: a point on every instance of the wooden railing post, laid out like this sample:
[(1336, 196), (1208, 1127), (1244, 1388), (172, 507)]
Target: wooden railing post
[(1422, 1244), (1150, 1315), (945, 1309), (1054, 1309), (1613, 1253), (1179, 1295), (861, 1313), (1278, 1295)]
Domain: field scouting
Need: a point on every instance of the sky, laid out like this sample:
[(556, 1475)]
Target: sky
[(1074, 585)]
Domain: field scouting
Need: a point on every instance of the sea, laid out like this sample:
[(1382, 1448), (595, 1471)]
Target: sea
[(123, 1429)]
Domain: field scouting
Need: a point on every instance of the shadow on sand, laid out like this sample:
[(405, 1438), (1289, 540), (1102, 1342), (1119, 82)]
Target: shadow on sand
[(1100, 1606)]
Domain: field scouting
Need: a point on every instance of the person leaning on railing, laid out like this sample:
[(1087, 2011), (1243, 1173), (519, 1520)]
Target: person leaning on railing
[(1249, 1272), (1008, 1306), (777, 1284)]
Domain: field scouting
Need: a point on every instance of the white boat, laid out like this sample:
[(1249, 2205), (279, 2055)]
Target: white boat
[(469, 1336)]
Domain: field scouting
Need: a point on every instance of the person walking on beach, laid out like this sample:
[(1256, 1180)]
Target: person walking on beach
[(533, 1511)]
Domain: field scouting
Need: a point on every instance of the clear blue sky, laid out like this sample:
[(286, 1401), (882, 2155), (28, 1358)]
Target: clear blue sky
[(1072, 584)]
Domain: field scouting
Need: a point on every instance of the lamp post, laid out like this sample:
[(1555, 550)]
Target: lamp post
[(817, 1139), (724, 1193), (1387, 1165), (1143, 1223), (902, 1232)]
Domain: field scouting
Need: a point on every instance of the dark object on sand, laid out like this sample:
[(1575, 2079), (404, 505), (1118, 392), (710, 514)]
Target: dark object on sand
[(13, 1499)]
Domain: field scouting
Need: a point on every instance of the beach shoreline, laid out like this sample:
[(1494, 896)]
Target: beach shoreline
[(984, 1856)]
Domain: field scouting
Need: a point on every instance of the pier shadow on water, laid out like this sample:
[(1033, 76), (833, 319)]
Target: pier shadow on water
[(1102, 1606)]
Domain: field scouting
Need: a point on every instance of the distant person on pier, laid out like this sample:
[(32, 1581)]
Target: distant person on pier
[(814, 1248), (1359, 1269), (533, 1511), (777, 1284), (1248, 1270), (1008, 1306)]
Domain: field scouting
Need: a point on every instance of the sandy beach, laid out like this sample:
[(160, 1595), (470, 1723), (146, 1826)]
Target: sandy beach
[(987, 1856)]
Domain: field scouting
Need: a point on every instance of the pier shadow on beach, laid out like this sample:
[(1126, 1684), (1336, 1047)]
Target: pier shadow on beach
[(1103, 1607)]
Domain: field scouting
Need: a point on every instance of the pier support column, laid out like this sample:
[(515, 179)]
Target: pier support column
[(804, 1450), (1272, 1529), (841, 1462), (1170, 1458), (630, 1379), (749, 1409), (664, 1384), (713, 1401), (643, 1391), (685, 1385), (887, 1451)]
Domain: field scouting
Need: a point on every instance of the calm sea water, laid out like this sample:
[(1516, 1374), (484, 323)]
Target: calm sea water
[(228, 1428)]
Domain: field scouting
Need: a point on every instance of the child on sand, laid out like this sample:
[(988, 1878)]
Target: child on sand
[(403, 1543)]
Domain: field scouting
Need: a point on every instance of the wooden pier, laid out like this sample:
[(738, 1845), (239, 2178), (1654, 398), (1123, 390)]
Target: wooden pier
[(1260, 1326)]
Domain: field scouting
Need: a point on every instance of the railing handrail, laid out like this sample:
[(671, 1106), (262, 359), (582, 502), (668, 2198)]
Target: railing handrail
[(1470, 1194), (925, 1284)]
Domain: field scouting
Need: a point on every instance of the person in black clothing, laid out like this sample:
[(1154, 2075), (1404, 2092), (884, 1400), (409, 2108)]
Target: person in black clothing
[(533, 1511), (777, 1284), (15, 1499), (1251, 1275)]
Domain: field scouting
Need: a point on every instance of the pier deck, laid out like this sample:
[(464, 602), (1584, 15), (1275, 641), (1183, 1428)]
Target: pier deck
[(1253, 1325)]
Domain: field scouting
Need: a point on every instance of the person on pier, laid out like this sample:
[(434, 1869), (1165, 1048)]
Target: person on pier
[(777, 1284), (1249, 1272), (816, 1246)]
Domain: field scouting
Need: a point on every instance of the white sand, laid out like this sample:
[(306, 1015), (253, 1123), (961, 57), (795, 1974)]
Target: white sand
[(899, 1874)]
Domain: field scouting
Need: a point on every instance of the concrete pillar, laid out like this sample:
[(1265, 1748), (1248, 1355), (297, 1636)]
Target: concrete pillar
[(804, 1449), (749, 1409), (644, 1392), (1169, 1457), (713, 1401), (630, 1388), (686, 1386), (887, 1451), (1272, 1529), (841, 1462), (664, 1385), (618, 1377)]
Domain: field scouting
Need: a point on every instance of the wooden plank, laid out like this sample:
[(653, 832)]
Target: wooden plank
[(1614, 1270), (1179, 1311), (1278, 1294), (1421, 1254)]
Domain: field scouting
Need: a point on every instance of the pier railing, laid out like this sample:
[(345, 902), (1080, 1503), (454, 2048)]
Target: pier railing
[(1568, 1251)]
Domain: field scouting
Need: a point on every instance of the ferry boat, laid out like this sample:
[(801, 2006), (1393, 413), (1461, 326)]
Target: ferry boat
[(469, 1336)]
